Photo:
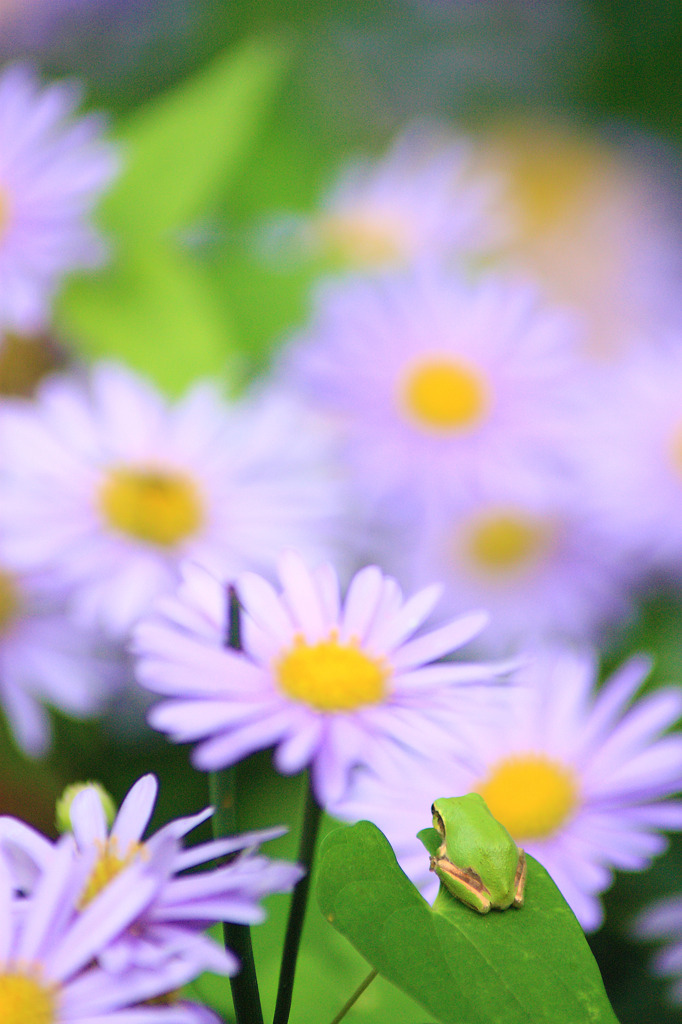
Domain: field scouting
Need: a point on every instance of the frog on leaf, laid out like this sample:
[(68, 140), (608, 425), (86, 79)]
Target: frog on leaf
[(473, 855)]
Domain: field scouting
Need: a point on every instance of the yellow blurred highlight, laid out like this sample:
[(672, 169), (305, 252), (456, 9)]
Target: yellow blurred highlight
[(10, 601), (532, 795), (582, 214), (504, 543), (363, 239)]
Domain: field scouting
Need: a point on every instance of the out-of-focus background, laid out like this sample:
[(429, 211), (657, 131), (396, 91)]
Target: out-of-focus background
[(538, 81)]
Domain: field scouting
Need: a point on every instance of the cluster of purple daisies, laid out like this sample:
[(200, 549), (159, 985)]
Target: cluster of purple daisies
[(103, 925), (453, 414)]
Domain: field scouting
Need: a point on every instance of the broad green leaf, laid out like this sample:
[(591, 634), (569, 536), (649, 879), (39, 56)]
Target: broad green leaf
[(329, 969), (156, 312), (181, 150), (526, 965)]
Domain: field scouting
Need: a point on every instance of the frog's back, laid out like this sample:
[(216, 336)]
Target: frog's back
[(483, 841)]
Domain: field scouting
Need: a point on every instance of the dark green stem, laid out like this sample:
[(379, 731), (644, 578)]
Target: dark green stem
[(237, 937), (222, 787), (354, 998), (233, 636), (299, 900)]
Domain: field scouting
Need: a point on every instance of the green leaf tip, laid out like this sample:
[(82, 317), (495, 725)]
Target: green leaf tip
[(431, 839), (182, 149)]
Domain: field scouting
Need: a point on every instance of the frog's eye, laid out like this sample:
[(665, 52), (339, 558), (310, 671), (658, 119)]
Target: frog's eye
[(438, 822)]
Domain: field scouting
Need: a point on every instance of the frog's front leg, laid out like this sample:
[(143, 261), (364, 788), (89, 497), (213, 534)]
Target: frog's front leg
[(465, 884), (520, 880)]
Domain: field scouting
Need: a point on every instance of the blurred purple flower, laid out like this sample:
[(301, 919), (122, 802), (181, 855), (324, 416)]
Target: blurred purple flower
[(52, 172)]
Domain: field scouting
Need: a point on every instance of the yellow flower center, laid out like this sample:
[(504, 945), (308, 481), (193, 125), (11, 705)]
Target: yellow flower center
[(552, 177), (23, 1000), (531, 795), (506, 542), (153, 505), (363, 239), (109, 863), (10, 602), (444, 395), (330, 676)]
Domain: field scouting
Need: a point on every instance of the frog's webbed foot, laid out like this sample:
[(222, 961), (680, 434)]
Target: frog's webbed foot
[(520, 880)]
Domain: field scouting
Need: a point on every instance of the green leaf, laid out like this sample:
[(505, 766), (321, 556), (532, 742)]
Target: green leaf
[(156, 312), (155, 307), (329, 969), (182, 149), (526, 965)]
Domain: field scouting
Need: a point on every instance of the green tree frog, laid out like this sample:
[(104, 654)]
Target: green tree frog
[(477, 860)]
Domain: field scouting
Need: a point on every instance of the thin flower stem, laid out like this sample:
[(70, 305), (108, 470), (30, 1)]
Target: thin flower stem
[(233, 637), (354, 998), (299, 900), (237, 937)]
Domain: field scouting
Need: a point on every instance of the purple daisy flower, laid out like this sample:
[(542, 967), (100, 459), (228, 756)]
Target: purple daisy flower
[(49, 948), (331, 685), (545, 561), (51, 174), (182, 905), (108, 486), (424, 200), (437, 385)]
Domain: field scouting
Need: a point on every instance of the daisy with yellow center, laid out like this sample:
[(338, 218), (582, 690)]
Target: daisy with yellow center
[(579, 776), (110, 486), (331, 676), (23, 1000), (438, 385), (110, 862), (330, 684), (533, 795), (538, 554), (49, 952), (171, 907)]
